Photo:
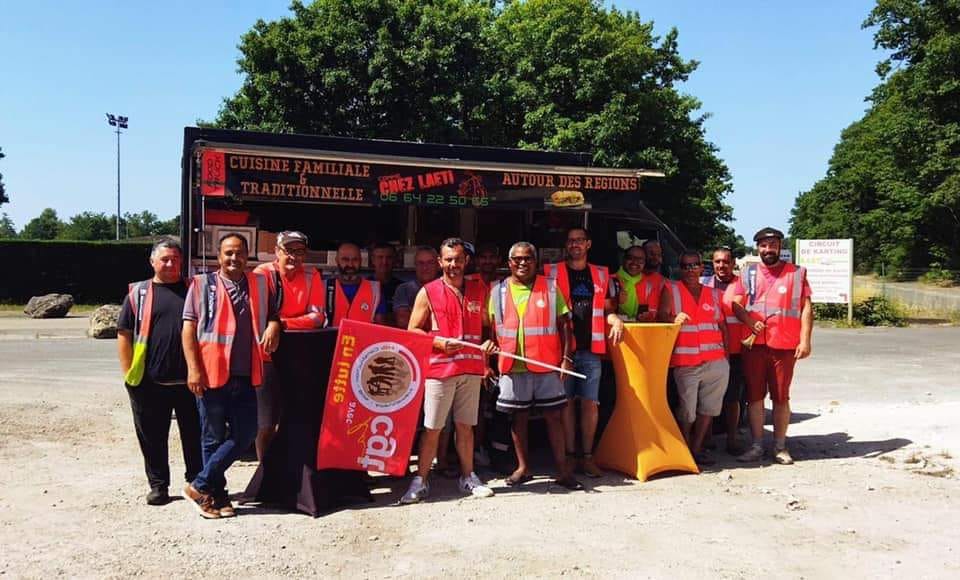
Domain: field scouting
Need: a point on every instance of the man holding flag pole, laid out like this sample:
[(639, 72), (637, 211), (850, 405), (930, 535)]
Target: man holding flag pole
[(451, 309), (530, 318)]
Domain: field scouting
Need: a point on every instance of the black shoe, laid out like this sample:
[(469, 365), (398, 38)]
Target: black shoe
[(158, 497)]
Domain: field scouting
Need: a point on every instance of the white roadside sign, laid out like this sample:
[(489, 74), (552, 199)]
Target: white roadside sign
[(829, 265)]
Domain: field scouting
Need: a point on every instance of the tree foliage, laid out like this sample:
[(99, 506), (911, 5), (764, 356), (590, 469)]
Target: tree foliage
[(7, 229), (3, 190), (893, 182), (544, 74), (46, 226)]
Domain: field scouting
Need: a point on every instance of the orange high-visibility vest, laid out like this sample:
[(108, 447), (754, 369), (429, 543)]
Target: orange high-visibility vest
[(700, 339), (217, 326), (778, 306), (541, 337), (736, 331), (363, 307), (301, 302), (460, 319), (601, 281)]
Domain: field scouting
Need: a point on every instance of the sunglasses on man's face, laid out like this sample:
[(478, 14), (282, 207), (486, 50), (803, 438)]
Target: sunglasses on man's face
[(690, 266), (521, 259)]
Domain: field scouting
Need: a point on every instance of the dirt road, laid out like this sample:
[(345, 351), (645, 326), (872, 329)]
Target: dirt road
[(873, 492)]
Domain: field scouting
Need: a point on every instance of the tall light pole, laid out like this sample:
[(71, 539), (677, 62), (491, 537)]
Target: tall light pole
[(120, 123)]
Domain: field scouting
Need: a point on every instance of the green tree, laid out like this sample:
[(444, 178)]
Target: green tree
[(3, 190), (89, 226), (544, 74), (46, 226), (7, 229), (893, 182)]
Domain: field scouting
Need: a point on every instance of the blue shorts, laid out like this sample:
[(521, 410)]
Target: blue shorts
[(585, 363)]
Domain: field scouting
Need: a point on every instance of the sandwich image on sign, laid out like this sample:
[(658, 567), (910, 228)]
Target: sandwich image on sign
[(566, 198)]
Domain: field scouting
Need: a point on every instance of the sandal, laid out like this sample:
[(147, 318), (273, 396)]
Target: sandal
[(515, 481)]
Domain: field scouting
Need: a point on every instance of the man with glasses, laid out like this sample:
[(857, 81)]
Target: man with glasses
[(636, 299), (699, 360), (586, 288), (773, 300), (724, 280), (298, 297), (530, 318)]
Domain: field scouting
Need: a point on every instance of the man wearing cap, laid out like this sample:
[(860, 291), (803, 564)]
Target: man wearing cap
[(151, 358), (772, 299), (699, 360), (653, 252), (299, 299), (724, 280), (586, 288), (451, 309), (530, 318), (348, 296), (383, 258), (636, 299), (425, 262)]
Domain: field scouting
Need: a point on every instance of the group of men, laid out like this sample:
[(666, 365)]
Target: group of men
[(200, 348)]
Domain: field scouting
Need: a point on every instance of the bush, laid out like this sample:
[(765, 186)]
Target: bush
[(874, 311), (878, 311), (939, 277)]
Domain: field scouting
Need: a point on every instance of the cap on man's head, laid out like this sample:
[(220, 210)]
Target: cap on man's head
[(468, 247), (284, 238), (768, 233)]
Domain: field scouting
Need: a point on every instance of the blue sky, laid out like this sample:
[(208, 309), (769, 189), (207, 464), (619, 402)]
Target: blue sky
[(780, 80)]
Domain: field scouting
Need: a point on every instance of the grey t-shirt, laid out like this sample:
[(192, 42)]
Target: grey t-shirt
[(406, 295), (241, 352)]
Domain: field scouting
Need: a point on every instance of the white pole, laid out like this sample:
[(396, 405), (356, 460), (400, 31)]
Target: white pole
[(850, 295), (518, 357)]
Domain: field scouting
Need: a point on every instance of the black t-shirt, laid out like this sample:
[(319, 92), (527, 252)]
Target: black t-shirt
[(165, 361), (581, 295)]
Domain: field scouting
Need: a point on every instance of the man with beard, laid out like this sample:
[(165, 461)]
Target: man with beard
[(451, 308), (425, 270), (151, 358), (530, 318), (488, 261), (299, 295), (724, 280), (229, 324), (652, 269), (383, 258), (586, 288), (348, 296), (636, 300), (773, 300)]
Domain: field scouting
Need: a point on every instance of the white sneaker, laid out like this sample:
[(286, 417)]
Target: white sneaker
[(417, 492), (755, 453), (481, 458), (472, 485)]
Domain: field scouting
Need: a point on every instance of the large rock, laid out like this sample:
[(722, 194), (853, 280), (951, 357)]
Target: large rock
[(103, 321), (49, 306)]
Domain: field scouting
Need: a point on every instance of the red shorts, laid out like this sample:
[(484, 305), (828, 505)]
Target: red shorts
[(768, 370)]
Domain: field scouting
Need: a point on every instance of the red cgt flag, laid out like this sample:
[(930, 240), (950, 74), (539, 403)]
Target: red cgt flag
[(373, 398)]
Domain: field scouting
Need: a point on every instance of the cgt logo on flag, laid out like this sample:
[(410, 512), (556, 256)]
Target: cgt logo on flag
[(373, 398)]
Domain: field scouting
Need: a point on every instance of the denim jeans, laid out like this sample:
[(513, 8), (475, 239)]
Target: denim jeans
[(585, 363), (234, 403)]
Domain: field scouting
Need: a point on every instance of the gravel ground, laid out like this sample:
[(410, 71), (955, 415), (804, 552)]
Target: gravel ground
[(873, 492)]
